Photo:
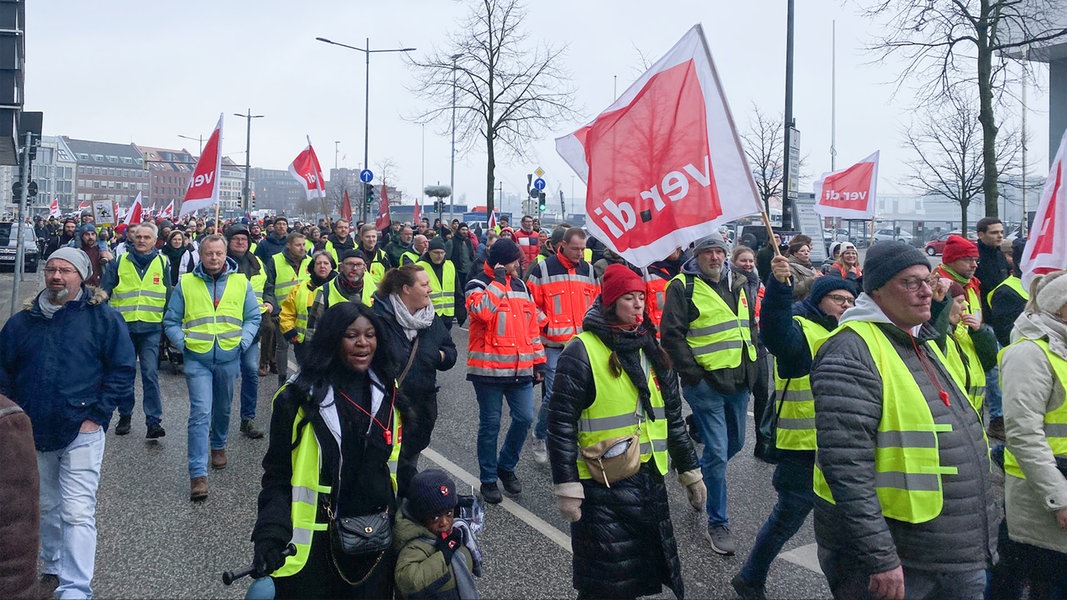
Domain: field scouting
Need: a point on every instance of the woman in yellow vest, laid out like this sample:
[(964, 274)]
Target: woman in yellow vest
[(293, 319), (614, 381), (970, 347), (335, 437), (1034, 376)]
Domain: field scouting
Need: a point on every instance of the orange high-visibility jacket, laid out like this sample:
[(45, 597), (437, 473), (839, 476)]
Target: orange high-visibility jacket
[(504, 337), (563, 292)]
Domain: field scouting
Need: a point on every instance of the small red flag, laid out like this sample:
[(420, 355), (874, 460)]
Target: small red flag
[(346, 208)]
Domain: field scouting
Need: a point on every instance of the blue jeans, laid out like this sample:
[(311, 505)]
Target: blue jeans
[(792, 481), (720, 419), (250, 381), (69, 480), (490, 404), (147, 347), (551, 360), (210, 396), (993, 398)]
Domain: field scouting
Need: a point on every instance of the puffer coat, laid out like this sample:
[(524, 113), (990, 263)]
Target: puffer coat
[(624, 542)]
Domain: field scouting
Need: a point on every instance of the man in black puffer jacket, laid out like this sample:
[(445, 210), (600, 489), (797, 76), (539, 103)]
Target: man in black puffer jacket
[(905, 495)]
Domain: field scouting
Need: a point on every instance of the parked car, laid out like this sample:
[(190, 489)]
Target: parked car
[(937, 245), (9, 246), (885, 235)]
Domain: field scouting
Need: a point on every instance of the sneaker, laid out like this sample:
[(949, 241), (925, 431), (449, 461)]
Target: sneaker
[(745, 591), (540, 451), (491, 493), (155, 430), (123, 427), (511, 482), (996, 428), (248, 428), (722, 541)]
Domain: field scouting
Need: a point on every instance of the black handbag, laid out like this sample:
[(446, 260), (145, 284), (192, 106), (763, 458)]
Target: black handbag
[(362, 535)]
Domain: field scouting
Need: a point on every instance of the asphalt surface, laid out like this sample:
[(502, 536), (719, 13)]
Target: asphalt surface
[(154, 543)]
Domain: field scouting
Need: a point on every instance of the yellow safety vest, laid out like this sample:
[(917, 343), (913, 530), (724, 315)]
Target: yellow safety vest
[(717, 337), (587, 254), (964, 366), (333, 251), (306, 487), (334, 296), (794, 402), (616, 410), (408, 258), (1012, 282), (1055, 424), (286, 278), (253, 247), (301, 298), (443, 293), (907, 464), (378, 264), (205, 324), (259, 281), (137, 298)]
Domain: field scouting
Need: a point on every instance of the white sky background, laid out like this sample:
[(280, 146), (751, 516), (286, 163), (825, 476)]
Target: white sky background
[(122, 71)]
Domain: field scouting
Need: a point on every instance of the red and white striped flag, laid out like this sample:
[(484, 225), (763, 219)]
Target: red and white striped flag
[(168, 213), (133, 216), (53, 208)]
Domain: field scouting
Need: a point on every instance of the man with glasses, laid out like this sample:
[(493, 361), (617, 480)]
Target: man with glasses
[(351, 285), (793, 333), (902, 474)]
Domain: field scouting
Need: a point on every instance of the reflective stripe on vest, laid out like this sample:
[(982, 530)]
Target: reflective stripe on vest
[(1012, 282), (717, 337), (442, 293), (1055, 423), (794, 402), (302, 299), (614, 411), (961, 358), (285, 277), (137, 298), (907, 464), (205, 324), (259, 281)]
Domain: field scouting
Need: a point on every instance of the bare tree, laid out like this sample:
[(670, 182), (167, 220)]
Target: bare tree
[(948, 148), (763, 146), (948, 43), (506, 90)]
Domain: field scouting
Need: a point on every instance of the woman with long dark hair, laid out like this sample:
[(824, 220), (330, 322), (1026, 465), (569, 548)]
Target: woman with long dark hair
[(334, 443)]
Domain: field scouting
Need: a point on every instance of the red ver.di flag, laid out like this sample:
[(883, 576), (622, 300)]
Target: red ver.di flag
[(305, 169), (346, 208), (663, 165), (382, 223), (849, 193), (1046, 249), (203, 188)]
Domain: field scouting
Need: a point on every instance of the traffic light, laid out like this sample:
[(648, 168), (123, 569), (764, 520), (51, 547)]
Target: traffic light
[(368, 193), (541, 202), (252, 204)]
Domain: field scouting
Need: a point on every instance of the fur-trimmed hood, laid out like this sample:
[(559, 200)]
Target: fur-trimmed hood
[(96, 296)]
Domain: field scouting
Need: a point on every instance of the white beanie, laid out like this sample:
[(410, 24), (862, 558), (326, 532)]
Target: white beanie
[(1052, 293), (77, 258)]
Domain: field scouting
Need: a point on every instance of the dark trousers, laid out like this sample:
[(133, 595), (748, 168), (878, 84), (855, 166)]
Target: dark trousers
[(417, 434), (267, 331)]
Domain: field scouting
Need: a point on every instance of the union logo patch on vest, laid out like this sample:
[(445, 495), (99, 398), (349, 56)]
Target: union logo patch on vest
[(744, 301)]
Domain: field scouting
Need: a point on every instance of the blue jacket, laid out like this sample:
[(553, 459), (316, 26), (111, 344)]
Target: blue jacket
[(172, 319), (75, 366)]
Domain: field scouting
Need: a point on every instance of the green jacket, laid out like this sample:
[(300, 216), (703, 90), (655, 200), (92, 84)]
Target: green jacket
[(420, 568)]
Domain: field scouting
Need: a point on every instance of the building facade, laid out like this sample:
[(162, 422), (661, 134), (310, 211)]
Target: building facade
[(169, 171), (276, 190), (109, 171)]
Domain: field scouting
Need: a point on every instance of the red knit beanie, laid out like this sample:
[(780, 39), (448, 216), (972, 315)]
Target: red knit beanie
[(957, 248), (619, 281)]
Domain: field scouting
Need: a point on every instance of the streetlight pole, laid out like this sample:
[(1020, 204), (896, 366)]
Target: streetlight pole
[(246, 196), (452, 166), (366, 99), (787, 201), (196, 139)]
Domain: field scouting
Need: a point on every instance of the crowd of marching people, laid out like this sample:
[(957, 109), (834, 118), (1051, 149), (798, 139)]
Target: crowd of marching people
[(893, 398)]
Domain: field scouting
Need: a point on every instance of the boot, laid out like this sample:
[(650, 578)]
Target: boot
[(198, 489), (123, 427), (218, 459), (248, 428)]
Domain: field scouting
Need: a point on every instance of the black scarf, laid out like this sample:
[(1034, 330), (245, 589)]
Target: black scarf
[(317, 281)]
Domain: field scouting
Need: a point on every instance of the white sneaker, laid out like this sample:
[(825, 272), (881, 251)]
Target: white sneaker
[(540, 451)]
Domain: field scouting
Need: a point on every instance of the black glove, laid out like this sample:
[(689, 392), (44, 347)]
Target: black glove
[(449, 544), (500, 273), (267, 557)]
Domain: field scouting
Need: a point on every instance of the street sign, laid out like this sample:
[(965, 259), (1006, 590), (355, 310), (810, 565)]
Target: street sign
[(539, 172), (533, 192), (539, 183), (366, 176)]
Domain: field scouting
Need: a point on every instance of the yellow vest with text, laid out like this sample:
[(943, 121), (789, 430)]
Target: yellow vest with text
[(795, 403), (907, 464), (306, 487), (717, 337), (285, 277), (1055, 420), (137, 298), (616, 410), (962, 361), (205, 324), (442, 293), (1012, 282)]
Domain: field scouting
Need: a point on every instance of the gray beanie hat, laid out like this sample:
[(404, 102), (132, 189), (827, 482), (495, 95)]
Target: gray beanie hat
[(886, 259), (77, 258), (711, 241)]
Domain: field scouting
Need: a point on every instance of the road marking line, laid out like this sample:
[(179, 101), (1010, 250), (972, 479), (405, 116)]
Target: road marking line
[(524, 514), (804, 556)]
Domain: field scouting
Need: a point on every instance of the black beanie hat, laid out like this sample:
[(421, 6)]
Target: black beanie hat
[(828, 283), (436, 244), (430, 493), (886, 259), (503, 252)]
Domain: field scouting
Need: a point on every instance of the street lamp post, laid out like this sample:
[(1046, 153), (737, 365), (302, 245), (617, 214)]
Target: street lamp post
[(196, 139), (366, 100), (452, 166), (246, 195)]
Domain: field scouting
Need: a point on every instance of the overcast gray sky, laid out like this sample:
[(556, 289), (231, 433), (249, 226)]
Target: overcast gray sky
[(122, 71)]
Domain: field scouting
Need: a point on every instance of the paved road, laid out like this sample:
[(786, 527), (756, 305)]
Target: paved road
[(154, 543)]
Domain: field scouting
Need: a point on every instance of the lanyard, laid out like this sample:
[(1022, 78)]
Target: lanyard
[(387, 434)]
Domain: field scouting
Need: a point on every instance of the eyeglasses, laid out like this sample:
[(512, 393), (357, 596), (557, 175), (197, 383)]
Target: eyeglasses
[(54, 270), (842, 300), (914, 283), (448, 513)]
